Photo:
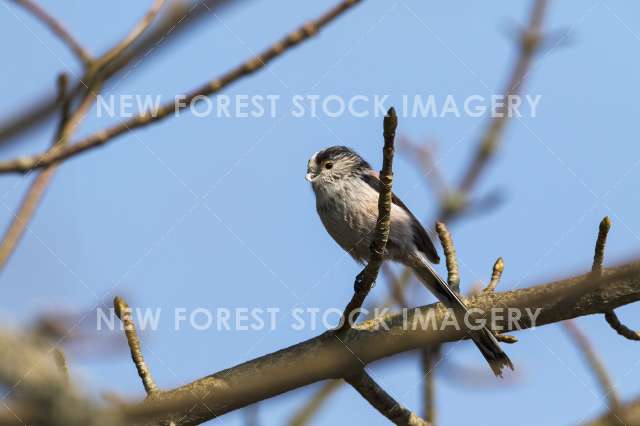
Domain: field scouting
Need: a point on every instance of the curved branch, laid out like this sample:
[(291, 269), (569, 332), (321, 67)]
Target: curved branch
[(57, 28), (620, 328)]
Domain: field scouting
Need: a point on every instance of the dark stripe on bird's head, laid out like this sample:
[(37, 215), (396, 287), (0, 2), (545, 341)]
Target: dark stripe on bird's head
[(336, 153)]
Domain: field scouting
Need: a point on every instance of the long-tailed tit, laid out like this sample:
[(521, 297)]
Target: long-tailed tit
[(347, 191)]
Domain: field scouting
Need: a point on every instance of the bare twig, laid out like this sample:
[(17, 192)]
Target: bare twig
[(57, 28), (382, 401), (124, 313), (496, 274), (596, 365), (366, 278), (304, 415), (179, 18), (621, 329), (601, 242), (598, 259), (450, 255), (429, 358), (130, 38), (24, 164), (396, 297), (486, 149), (325, 357), (581, 339), (68, 124), (37, 189)]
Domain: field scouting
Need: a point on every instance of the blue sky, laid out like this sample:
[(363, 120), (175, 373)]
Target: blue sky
[(129, 218)]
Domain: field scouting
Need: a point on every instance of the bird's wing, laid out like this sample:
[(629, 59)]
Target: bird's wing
[(420, 237)]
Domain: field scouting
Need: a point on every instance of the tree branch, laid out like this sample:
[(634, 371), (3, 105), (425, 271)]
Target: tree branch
[(180, 17), (529, 42), (133, 35), (429, 359), (325, 357), (124, 313), (449, 249), (630, 413), (24, 164), (36, 191), (57, 28), (496, 274), (68, 124), (594, 361), (382, 401), (366, 278)]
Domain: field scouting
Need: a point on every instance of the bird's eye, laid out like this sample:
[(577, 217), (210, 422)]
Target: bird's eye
[(328, 165)]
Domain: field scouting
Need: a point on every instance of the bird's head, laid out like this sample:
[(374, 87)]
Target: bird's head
[(333, 163)]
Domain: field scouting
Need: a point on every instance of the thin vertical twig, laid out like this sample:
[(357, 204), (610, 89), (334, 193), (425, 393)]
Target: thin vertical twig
[(429, 359), (365, 279), (449, 249), (598, 260), (601, 242), (124, 313), (581, 339)]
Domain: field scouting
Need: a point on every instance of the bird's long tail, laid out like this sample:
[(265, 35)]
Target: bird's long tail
[(483, 338)]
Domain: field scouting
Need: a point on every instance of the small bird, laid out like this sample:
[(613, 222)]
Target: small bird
[(347, 192)]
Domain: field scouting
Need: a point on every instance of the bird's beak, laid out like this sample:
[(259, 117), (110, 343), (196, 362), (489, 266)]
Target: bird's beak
[(309, 177)]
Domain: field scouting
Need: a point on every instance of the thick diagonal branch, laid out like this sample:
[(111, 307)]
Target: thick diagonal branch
[(325, 357)]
